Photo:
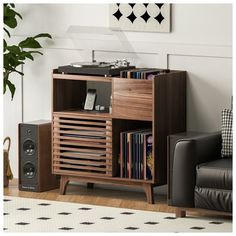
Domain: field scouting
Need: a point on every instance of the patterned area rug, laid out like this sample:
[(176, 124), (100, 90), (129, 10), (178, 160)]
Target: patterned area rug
[(35, 215)]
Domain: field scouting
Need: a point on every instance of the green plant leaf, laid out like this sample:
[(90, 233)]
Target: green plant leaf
[(15, 55), (4, 45), (29, 56), (15, 49), (7, 32), (43, 35), (37, 52), (10, 16), (11, 61), (11, 86), (30, 43)]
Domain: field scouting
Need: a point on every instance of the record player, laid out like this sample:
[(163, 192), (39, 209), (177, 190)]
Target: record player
[(96, 68)]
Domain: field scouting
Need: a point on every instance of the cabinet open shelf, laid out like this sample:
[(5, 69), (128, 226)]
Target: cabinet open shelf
[(86, 144)]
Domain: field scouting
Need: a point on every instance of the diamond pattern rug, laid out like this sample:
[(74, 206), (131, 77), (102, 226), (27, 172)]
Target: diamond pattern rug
[(35, 215)]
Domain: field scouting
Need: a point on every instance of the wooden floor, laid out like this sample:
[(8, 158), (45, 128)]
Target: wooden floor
[(96, 196), (103, 197)]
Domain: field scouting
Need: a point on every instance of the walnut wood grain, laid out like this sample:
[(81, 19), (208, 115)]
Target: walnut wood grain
[(169, 116), (159, 104), (132, 99)]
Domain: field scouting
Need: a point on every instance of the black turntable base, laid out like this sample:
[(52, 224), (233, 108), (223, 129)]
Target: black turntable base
[(93, 70)]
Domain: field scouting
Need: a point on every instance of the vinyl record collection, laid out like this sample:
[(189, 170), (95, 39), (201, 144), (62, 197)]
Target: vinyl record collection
[(136, 159), (142, 73)]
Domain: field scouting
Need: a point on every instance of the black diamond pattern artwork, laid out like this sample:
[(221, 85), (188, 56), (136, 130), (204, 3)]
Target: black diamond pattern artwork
[(5, 214), (145, 16), (150, 17), (159, 18), (117, 14), (159, 5), (132, 17), (170, 218), (132, 4)]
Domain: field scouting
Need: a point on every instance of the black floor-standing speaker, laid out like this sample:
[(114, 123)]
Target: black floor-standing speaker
[(35, 157)]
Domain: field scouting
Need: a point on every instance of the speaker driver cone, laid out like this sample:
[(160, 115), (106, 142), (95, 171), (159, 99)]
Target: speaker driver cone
[(29, 147), (29, 170)]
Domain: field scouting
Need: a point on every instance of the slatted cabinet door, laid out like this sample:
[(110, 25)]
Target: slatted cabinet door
[(82, 144)]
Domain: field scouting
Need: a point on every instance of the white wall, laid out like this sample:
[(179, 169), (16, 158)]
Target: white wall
[(200, 43)]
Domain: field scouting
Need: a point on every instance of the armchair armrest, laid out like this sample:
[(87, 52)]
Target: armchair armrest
[(188, 153)]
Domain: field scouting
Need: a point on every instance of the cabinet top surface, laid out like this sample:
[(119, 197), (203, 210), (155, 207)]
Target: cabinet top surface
[(56, 75)]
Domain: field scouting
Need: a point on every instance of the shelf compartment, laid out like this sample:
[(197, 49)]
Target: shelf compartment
[(82, 144)]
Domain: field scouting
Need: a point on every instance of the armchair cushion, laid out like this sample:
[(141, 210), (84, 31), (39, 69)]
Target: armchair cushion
[(213, 199), (215, 174)]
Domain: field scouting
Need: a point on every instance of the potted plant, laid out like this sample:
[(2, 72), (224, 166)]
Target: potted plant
[(16, 55)]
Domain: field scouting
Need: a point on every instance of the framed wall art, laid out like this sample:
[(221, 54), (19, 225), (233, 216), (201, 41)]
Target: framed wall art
[(149, 17)]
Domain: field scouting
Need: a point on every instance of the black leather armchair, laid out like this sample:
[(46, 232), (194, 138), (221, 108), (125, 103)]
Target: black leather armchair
[(198, 177)]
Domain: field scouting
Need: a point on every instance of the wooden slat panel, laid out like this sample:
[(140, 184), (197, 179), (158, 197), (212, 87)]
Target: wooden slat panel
[(80, 143), (75, 155), (83, 122), (98, 151), (81, 162), (89, 133), (82, 167), (82, 173), (100, 140), (83, 115), (81, 127)]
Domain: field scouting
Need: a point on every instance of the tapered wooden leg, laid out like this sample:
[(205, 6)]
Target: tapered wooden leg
[(148, 188), (180, 213), (63, 184), (90, 185)]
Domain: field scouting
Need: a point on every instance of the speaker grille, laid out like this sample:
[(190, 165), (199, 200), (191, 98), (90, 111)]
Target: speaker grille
[(29, 170), (29, 147)]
